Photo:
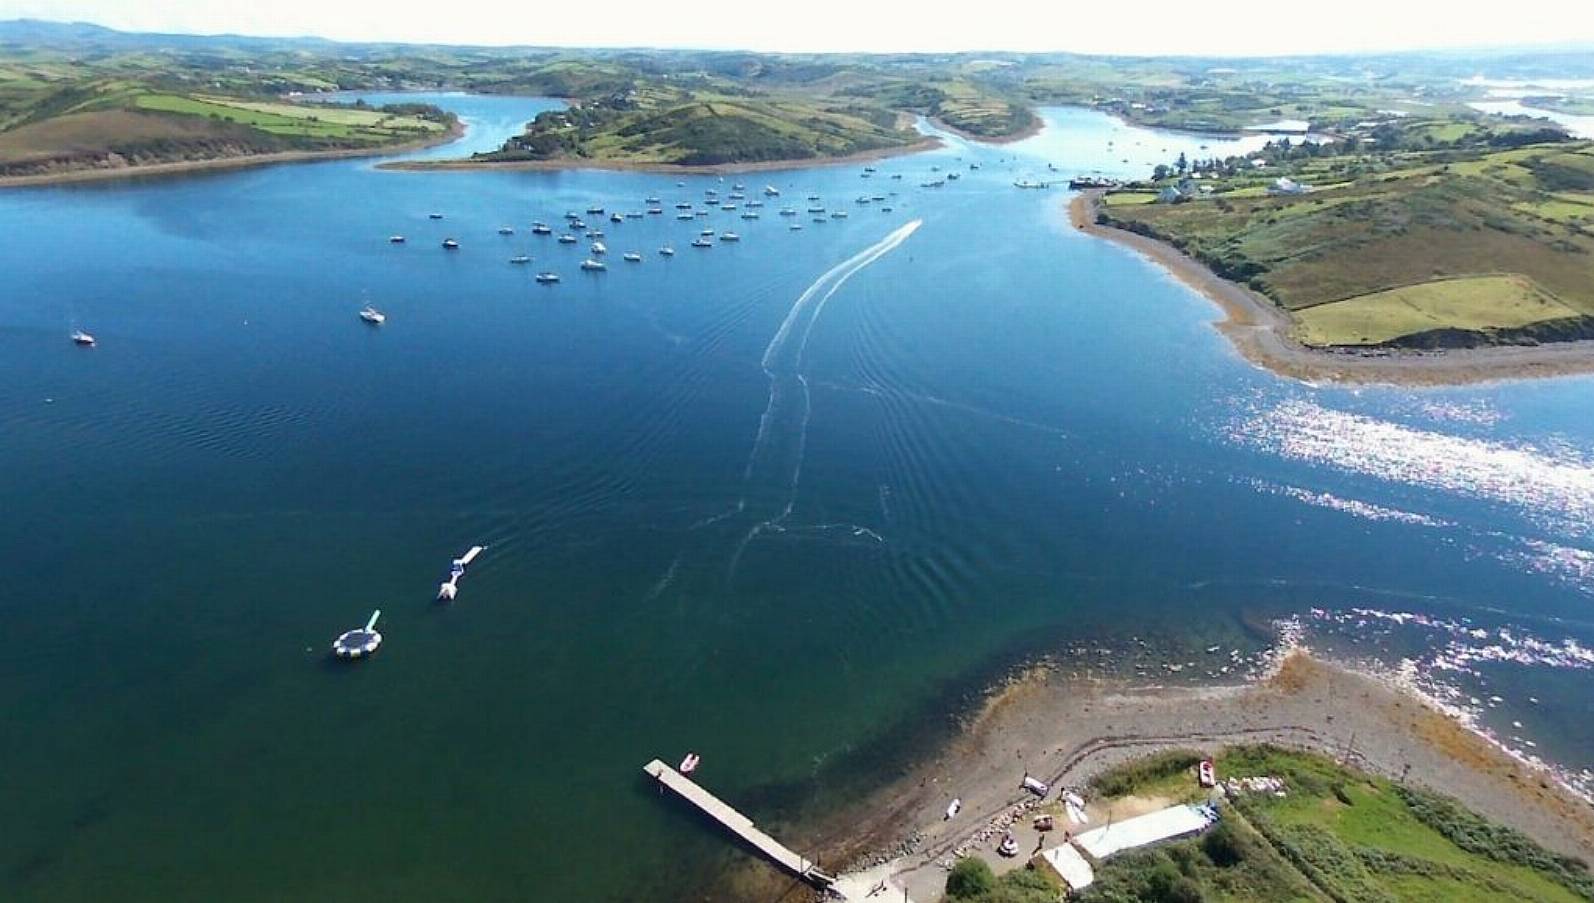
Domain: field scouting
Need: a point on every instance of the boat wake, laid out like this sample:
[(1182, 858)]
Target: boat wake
[(774, 466)]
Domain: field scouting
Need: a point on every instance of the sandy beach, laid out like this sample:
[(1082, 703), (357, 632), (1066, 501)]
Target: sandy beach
[(1260, 331), (1064, 727), (183, 167), (927, 143)]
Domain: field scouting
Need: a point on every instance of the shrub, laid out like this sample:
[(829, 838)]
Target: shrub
[(969, 879)]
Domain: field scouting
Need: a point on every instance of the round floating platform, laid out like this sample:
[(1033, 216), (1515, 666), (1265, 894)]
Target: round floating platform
[(359, 642), (356, 643)]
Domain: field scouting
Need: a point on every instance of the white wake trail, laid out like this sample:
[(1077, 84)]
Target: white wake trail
[(782, 365)]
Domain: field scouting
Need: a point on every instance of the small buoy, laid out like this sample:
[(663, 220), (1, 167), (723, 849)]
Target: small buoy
[(358, 642)]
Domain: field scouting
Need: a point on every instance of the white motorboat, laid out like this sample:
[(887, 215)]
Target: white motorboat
[(593, 265), (82, 338), (666, 251), (450, 244), (702, 243), (506, 230), (771, 191), (599, 248), (396, 239), (730, 236), (547, 278), (567, 239), (520, 258), (631, 257), (373, 316)]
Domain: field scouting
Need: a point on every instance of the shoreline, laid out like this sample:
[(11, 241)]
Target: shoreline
[(1065, 727), (569, 163), (1260, 331), (181, 167)]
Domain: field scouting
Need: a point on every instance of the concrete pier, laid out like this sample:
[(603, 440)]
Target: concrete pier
[(738, 824)]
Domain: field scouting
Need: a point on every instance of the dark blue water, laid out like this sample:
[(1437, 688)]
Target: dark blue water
[(769, 501)]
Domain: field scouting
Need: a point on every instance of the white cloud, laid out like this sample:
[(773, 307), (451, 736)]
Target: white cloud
[(1144, 26)]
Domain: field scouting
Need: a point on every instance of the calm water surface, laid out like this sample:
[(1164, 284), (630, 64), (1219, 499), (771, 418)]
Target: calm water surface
[(770, 501)]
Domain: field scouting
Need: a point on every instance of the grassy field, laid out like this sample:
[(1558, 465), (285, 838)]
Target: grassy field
[(1337, 835), (1381, 251), (57, 123), (1482, 304)]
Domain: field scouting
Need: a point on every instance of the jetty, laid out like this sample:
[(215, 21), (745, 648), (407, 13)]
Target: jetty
[(738, 824)]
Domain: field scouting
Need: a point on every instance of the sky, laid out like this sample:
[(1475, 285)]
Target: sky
[(1152, 27)]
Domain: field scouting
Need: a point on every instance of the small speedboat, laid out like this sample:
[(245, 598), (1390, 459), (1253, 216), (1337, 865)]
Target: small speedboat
[(633, 214), (730, 236), (572, 216), (796, 227), (506, 230), (753, 204), (666, 251), (594, 233), (450, 244), (567, 239), (707, 233), (788, 211), (578, 225), (750, 215), (655, 211), (599, 248), (771, 191), (631, 257), (547, 278), (594, 265), (727, 207), (702, 243), (738, 187), (434, 216), (685, 216), (80, 337), (816, 209), (520, 258), (650, 200), (839, 214), (373, 316), (616, 217), (396, 239), (595, 210), (683, 206), (690, 763), (540, 229)]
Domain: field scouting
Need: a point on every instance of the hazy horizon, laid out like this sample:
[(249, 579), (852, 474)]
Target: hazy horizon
[(1148, 28)]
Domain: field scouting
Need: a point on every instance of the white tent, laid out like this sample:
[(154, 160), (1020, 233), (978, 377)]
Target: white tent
[(1066, 863), (1164, 824)]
